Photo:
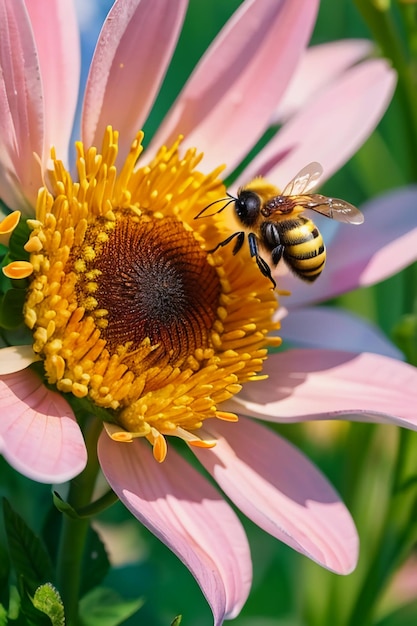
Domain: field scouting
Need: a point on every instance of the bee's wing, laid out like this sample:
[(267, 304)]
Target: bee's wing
[(304, 181), (336, 209)]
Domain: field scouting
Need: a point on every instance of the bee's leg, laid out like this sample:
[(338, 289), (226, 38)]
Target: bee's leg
[(276, 254), (262, 264), (239, 243)]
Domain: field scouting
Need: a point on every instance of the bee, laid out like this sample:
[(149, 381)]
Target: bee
[(275, 222)]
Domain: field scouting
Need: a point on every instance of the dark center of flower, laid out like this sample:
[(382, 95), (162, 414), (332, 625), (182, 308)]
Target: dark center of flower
[(155, 282)]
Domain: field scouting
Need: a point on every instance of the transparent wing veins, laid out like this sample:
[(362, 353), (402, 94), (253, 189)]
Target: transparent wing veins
[(336, 209), (304, 181)]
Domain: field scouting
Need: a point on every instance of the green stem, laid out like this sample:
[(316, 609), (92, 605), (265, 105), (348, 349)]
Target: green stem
[(409, 17), (395, 538), (74, 531), (385, 32), (99, 505)]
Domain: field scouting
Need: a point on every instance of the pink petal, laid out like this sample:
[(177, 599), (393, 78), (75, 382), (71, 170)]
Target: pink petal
[(308, 385), (318, 68), (55, 30), (39, 435), (130, 61), (333, 329), (331, 127), (359, 256), (187, 514), (282, 492), (229, 99), (16, 358), (21, 109)]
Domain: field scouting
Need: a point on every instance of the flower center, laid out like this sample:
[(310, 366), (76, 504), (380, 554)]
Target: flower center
[(126, 305), (155, 283)]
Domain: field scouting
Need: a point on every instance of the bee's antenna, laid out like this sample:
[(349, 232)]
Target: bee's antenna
[(232, 199)]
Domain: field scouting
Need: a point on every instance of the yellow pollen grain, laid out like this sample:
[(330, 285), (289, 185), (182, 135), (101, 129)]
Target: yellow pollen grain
[(79, 390), (90, 303), (55, 346), (41, 337), (89, 253), (31, 318), (33, 245), (92, 274), (58, 364), (50, 329), (91, 288), (102, 237)]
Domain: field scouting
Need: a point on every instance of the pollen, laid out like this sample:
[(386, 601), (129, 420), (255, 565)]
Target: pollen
[(127, 306)]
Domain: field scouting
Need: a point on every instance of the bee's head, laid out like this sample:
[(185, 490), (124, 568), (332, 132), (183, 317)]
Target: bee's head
[(247, 206)]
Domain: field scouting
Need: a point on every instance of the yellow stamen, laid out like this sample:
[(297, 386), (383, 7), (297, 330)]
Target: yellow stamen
[(159, 445), (126, 305), (18, 269), (116, 434), (7, 226), (226, 416)]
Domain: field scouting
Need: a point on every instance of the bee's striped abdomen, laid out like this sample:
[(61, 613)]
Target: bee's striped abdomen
[(304, 249)]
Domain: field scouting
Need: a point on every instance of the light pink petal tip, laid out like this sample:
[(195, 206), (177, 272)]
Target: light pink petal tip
[(56, 33), (318, 68), (333, 329), (21, 109), (16, 358), (185, 512), (130, 61), (39, 435), (323, 384), (383, 245), (230, 98), (331, 127), (282, 492)]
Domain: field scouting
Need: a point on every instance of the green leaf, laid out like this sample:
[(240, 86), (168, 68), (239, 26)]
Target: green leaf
[(29, 614), (404, 616), (96, 563), (64, 507), (48, 600), (14, 603), (84, 407), (3, 616), (405, 336), (27, 553), (176, 621), (4, 568), (11, 308), (51, 532), (18, 238), (104, 607), (376, 168)]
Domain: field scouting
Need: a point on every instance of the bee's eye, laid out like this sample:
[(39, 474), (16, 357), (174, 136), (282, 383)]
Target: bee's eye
[(248, 205)]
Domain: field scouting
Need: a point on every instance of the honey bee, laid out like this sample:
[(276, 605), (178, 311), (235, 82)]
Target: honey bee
[(275, 222)]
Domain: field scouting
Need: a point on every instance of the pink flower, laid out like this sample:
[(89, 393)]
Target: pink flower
[(246, 80)]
